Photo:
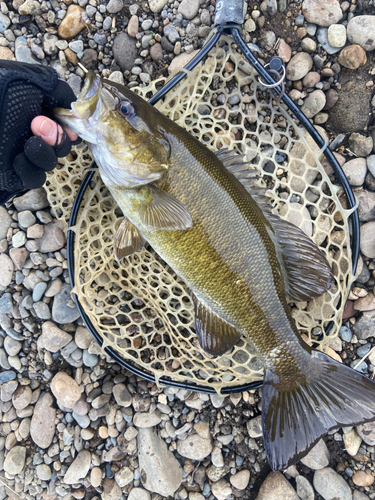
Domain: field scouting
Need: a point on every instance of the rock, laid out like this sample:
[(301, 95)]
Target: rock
[(284, 51), (308, 45), (6, 305), (221, 489), (6, 376), (304, 489), (133, 26), (371, 164), (181, 61), (156, 52), (43, 472), (124, 477), (172, 34), (299, 66), (36, 199), (114, 6), (352, 442), (22, 397), (124, 51), (337, 35), (358, 495), (6, 270), (254, 427), (160, 471), (318, 456), (361, 478), (89, 58), (360, 144), (72, 24), (23, 52), (361, 31), (123, 397), (111, 490), (79, 468), (269, 7), (15, 460), (352, 57), (146, 419), (157, 5), (39, 290), (331, 486), (96, 477), (322, 36), (62, 310), (367, 432), (30, 8), (194, 447), (42, 427), (4, 22), (311, 79), (313, 103), (53, 238), (6, 54), (355, 171), (5, 222), (276, 487), (53, 288), (65, 389), (139, 494), (241, 479), (367, 241), (53, 339), (322, 12), (189, 8)]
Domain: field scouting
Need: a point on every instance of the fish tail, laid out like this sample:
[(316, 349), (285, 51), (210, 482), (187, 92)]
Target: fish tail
[(296, 414)]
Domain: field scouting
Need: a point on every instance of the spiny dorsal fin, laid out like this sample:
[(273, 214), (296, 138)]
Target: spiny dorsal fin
[(306, 271), (127, 240), (215, 335)]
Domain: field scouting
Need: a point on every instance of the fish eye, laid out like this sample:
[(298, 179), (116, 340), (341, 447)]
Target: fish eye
[(125, 108)]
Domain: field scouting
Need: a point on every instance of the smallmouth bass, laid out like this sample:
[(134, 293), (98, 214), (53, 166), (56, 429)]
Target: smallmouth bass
[(204, 215)]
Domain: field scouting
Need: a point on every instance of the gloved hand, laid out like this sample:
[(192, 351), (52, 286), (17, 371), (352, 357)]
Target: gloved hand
[(27, 91)]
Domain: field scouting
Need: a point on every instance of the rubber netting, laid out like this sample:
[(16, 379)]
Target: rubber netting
[(140, 307)]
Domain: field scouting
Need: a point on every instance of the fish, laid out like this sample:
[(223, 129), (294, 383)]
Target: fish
[(206, 216)]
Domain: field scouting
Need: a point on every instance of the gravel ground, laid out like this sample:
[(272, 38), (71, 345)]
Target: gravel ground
[(73, 424)]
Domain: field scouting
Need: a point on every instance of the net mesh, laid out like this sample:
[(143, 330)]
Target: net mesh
[(140, 307)]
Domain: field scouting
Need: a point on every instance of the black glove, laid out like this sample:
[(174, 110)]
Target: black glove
[(27, 91)]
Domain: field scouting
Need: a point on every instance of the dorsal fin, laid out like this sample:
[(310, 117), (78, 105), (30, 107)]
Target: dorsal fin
[(306, 271)]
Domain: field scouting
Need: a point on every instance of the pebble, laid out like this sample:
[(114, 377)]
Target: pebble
[(360, 145), (124, 477), (19, 239), (22, 397), (160, 470), (322, 12), (352, 57), (221, 489), (352, 442), (133, 26), (361, 31), (337, 35), (4, 22), (33, 200), (124, 51), (304, 489), (299, 66), (5, 222), (53, 338), (276, 487), (96, 477), (318, 456), (53, 238), (241, 479), (157, 5), (313, 103), (361, 478), (367, 241), (114, 6), (355, 171), (15, 460), (6, 305), (194, 447), (111, 490), (181, 61), (322, 36), (331, 486), (72, 24), (145, 420), (43, 472), (65, 389), (78, 468), (189, 8), (122, 396), (6, 270), (62, 312), (139, 494), (42, 427), (39, 290), (26, 219), (6, 376), (254, 427), (367, 432)]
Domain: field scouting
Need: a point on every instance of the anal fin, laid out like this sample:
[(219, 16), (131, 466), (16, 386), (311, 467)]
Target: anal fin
[(127, 240), (215, 335)]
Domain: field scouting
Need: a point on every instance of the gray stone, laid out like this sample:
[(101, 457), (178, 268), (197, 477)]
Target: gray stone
[(269, 7), (194, 447), (171, 32), (4, 22), (355, 171), (122, 395), (124, 476), (6, 270), (89, 360), (23, 53), (337, 35), (12, 346), (366, 207), (7, 376), (139, 494), (4, 360), (241, 479), (18, 239), (322, 36), (39, 290), (43, 472), (331, 486), (367, 241), (6, 304), (65, 389), (124, 51), (26, 219), (189, 8), (304, 489), (5, 222), (276, 487), (361, 31), (371, 164), (318, 456), (160, 471), (15, 460), (254, 427), (22, 397), (42, 427), (322, 12), (367, 432), (53, 338), (36, 199), (53, 238), (299, 66), (360, 144), (49, 44), (313, 103), (62, 312), (42, 310), (145, 420), (221, 489), (78, 468), (157, 5), (114, 6)]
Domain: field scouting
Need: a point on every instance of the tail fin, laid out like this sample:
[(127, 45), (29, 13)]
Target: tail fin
[(294, 420)]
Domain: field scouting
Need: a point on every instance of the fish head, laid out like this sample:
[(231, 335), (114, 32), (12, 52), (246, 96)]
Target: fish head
[(125, 137)]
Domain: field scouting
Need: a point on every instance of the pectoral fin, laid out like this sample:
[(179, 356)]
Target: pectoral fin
[(127, 240), (215, 335), (161, 210)]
